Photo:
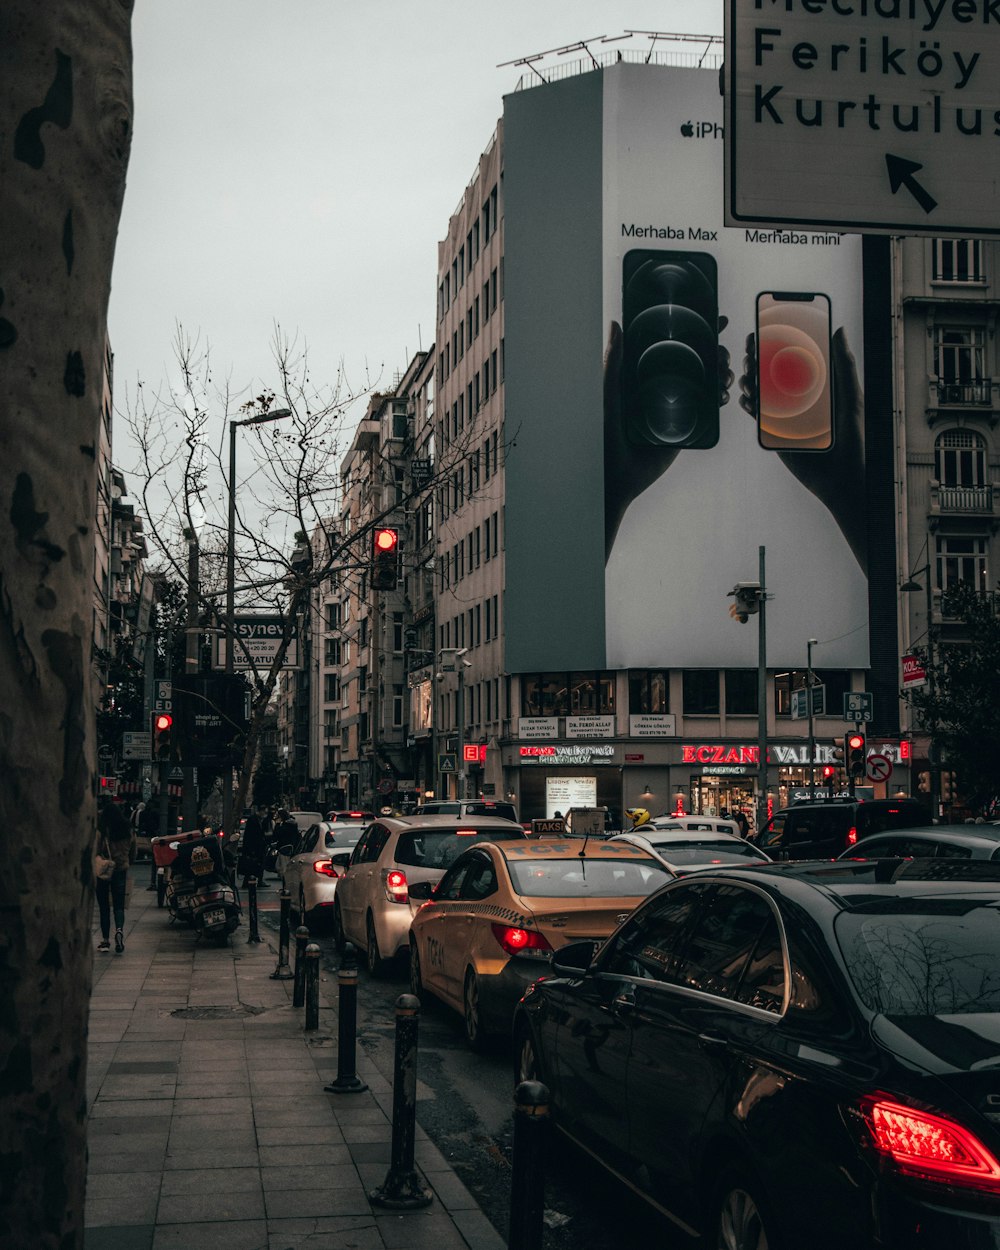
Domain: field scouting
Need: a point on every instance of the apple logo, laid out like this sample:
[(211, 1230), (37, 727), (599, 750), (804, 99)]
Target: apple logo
[(687, 130)]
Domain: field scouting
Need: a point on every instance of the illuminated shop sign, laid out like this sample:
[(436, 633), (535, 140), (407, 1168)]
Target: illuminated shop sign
[(567, 753), (537, 751), (783, 754)]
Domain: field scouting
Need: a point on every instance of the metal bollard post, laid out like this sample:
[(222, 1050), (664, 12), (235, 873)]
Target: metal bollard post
[(301, 942), (401, 1188), (252, 909), (312, 987), (527, 1179), (347, 1082), (283, 971)]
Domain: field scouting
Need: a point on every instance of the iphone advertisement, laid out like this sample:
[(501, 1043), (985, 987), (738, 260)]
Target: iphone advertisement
[(700, 387)]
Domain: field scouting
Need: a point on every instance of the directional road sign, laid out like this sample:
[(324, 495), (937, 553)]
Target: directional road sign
[(879, 116), (878, 767)]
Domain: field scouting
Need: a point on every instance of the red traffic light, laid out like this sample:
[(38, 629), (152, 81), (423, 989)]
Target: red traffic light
[(162, 721), (855, 741), (828, 770), (386, 540)]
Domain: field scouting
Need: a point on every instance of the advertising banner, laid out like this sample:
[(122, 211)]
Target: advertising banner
[(639, 330)]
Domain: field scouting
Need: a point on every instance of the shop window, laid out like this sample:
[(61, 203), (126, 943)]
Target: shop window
[(701, 692), (648, 691), (741, 692)]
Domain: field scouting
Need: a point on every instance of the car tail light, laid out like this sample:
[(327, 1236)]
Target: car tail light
[(932, 1147), (852, 835), (396, 890), (325, 868), (355, 815), (521, 941), (466, 833)]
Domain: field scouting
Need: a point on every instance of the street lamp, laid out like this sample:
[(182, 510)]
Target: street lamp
[(810, 643), (910, 586), (260, 419)]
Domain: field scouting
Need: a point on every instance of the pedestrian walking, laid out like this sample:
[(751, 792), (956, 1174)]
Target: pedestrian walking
[(741, 820), (252, 848), (117, 844)]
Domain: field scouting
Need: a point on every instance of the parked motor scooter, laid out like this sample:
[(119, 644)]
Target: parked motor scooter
[(198, 890)]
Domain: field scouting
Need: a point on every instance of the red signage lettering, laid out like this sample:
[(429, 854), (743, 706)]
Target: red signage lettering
[(538, 750), (718, 753)]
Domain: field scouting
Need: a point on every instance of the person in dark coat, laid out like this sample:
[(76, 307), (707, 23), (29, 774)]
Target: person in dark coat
[(252, 849), (116, 842)]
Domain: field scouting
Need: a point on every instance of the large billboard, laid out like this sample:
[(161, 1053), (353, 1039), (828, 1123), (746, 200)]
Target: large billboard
[(638, 331)]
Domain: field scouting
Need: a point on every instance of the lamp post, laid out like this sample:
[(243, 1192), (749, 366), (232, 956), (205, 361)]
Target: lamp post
[(911, 585), (810, 643), (261, 419)]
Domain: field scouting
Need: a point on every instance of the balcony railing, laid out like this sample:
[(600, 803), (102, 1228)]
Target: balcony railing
[(977, 393), (969, 500)]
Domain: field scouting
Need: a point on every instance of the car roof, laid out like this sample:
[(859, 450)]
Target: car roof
[(954, 835), (446, 821), (572, 848), (855, 884)]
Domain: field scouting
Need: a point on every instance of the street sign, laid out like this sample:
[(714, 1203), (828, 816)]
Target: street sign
[(258, 640), (164, 697), (859, 706), (137, 745), (548, 828), (878, 767), (800, 703), (863, 116), (447, 763)]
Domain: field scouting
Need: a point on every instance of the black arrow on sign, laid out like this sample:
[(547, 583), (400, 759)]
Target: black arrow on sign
[(901, 173)]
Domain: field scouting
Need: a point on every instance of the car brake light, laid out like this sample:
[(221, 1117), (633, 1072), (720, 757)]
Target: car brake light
[(852, 835), (396, 890), (466, 833), (356, 815), (521, 941), (930, 1146), (325, 868)]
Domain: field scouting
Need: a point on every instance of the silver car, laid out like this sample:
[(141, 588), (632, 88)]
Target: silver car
[(372, 908), (316, 865), (683, 852)]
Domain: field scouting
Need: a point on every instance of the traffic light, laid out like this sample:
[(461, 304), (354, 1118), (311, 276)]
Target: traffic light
[(162, 733), (385, 558), (670, 349), (924, 783), (854, 751), (948, 788), (829, 772), (746, 601)]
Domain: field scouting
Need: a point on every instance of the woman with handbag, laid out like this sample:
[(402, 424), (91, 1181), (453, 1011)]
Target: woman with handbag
[(112, 857)]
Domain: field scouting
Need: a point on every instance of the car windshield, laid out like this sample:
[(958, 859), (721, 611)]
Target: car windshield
[(438, 848), (582, 878), (925, 957), (708, 852)]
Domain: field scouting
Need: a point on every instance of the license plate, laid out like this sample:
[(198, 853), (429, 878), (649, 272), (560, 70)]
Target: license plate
[(216, 916)]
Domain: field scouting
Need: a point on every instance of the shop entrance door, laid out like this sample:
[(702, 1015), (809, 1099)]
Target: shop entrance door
[(711, 796)]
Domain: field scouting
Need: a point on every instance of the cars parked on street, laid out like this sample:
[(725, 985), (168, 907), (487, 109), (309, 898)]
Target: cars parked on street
[(487, 929), (316, 865), (937, 841), (681, 852), (372, 908), (823, 830), (802, 1054)]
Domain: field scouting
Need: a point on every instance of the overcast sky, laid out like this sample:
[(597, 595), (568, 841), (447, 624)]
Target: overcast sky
[(299, 162)]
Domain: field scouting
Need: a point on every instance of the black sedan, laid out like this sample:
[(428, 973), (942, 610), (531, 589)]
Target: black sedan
[(946, 841), (790, 1055)]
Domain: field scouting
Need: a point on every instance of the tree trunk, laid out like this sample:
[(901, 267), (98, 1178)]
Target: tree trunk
[(65, 129)]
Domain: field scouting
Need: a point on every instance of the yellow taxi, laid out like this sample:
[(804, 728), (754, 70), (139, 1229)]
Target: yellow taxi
[(486, 930)]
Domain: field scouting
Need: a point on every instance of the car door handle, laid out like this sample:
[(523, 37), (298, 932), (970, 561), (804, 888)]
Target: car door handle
[(623, 1003), (713, 1039)]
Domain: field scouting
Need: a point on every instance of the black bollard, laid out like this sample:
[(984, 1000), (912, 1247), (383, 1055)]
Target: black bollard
[(401, 1189), (283, 971), (348, 1081), (252, 909), (301, 942), (527, 1179), (312, 987)]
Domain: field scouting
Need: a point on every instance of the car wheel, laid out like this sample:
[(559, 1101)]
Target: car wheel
[(416, 984), (526, 1065), (376, 964), (740, 1216), (475, 1034), (339, 940)]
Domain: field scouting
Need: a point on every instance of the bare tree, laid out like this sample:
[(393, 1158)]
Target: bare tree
[(66, 108)]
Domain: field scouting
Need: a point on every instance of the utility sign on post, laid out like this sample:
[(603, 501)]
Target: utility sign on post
[(859, 706), (880, 116)]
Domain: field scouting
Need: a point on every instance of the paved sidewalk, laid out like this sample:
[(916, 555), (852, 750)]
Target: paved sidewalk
[(209, 1125)]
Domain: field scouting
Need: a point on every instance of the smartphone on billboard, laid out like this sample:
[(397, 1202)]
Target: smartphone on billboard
[(670, 349), (794, 379)]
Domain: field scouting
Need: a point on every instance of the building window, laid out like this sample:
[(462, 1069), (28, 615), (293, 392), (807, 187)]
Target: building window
[(397, 707), (333, 616), (960, 458), (962, 561), (959, 362), (958, 260), (331, 651), (741, 692), (566, 694), (648, 691), (701, 692), (331, 688), (397, 631)]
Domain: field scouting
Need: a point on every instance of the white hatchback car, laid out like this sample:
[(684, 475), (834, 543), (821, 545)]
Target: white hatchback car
[(316, 865), (372, 908)]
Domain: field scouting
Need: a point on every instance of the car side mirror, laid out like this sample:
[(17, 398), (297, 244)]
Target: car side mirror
[(573, 959), (423, 890), (342, 859), (286, 849)]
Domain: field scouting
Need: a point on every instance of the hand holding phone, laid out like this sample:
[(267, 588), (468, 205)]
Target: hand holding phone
[(794, 383)]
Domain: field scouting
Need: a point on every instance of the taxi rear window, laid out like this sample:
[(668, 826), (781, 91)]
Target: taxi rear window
[(586, 878), (432, 848)]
